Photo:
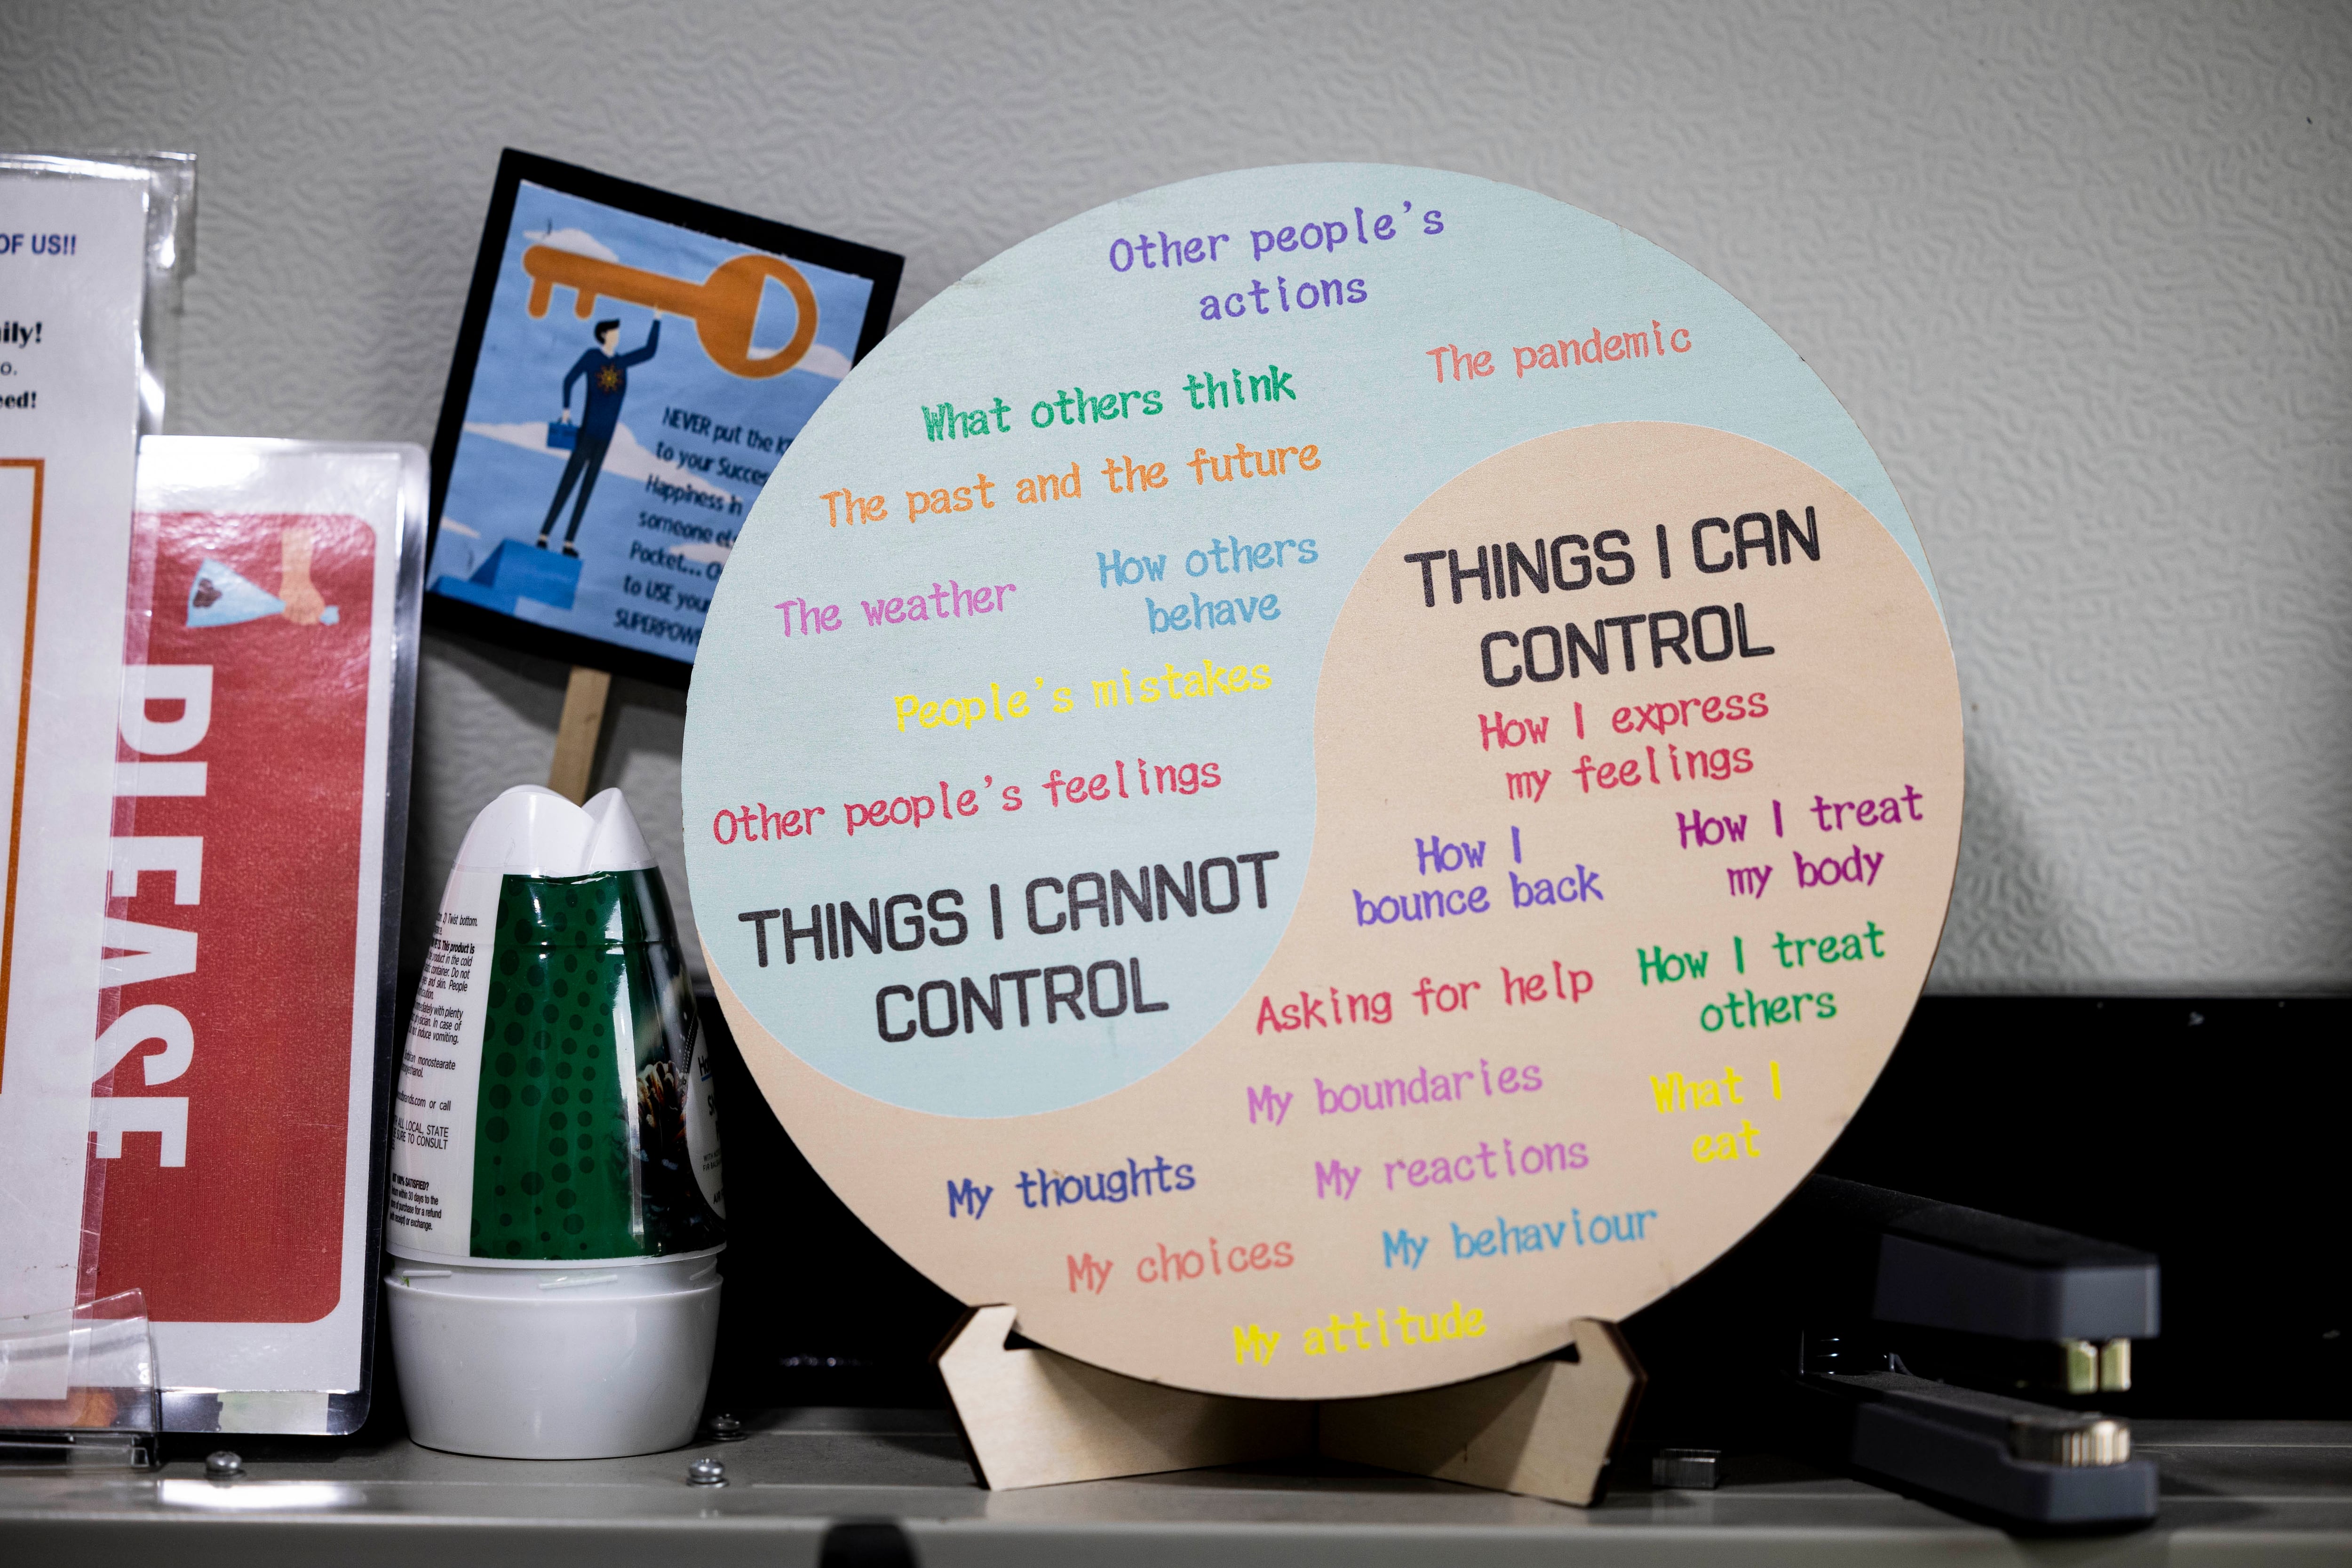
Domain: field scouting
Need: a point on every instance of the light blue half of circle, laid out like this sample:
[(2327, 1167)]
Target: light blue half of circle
[(784, 717)]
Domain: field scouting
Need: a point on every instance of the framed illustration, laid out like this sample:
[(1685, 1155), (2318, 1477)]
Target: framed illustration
[(632, 365)]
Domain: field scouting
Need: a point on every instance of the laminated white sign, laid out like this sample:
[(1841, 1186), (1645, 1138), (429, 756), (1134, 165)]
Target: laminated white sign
[(73, 275)]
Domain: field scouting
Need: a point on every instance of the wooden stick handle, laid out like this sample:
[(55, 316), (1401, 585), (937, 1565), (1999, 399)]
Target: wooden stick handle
[(577, 731)]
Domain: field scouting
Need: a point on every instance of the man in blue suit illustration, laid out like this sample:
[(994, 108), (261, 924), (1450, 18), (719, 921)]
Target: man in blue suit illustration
[(606, 372)]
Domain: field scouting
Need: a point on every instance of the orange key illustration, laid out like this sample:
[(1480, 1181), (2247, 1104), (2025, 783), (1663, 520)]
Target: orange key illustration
[(722, 306)]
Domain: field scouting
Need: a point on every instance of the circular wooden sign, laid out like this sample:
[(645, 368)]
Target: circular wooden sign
[(1316, 772)]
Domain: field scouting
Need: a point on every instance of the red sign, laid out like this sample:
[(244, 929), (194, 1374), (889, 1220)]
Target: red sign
[(234, 915)]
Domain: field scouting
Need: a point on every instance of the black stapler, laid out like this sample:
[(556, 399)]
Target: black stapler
[(1931, 1339)]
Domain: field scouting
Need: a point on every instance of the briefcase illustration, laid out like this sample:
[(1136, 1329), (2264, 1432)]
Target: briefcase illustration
[(562, 434)]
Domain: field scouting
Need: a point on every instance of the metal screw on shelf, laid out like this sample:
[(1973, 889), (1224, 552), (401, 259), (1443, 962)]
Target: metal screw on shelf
[(224, 1464), (727, 1429), (706, 1473)]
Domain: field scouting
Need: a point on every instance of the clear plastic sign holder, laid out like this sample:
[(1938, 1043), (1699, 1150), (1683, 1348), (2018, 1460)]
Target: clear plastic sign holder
[(77, 1387), (171, 250), (307, 1369)]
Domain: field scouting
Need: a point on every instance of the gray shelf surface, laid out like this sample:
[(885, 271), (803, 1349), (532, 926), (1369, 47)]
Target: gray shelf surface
[(2232, 1492)]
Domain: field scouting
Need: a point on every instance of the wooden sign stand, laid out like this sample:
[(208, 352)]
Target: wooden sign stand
[(577, 731), (1034, 1417)]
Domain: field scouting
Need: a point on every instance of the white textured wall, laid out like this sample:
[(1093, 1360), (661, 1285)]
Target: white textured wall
[(2083, 273)]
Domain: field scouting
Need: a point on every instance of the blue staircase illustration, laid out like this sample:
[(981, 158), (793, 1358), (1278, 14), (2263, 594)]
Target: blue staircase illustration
[(517, 571)]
